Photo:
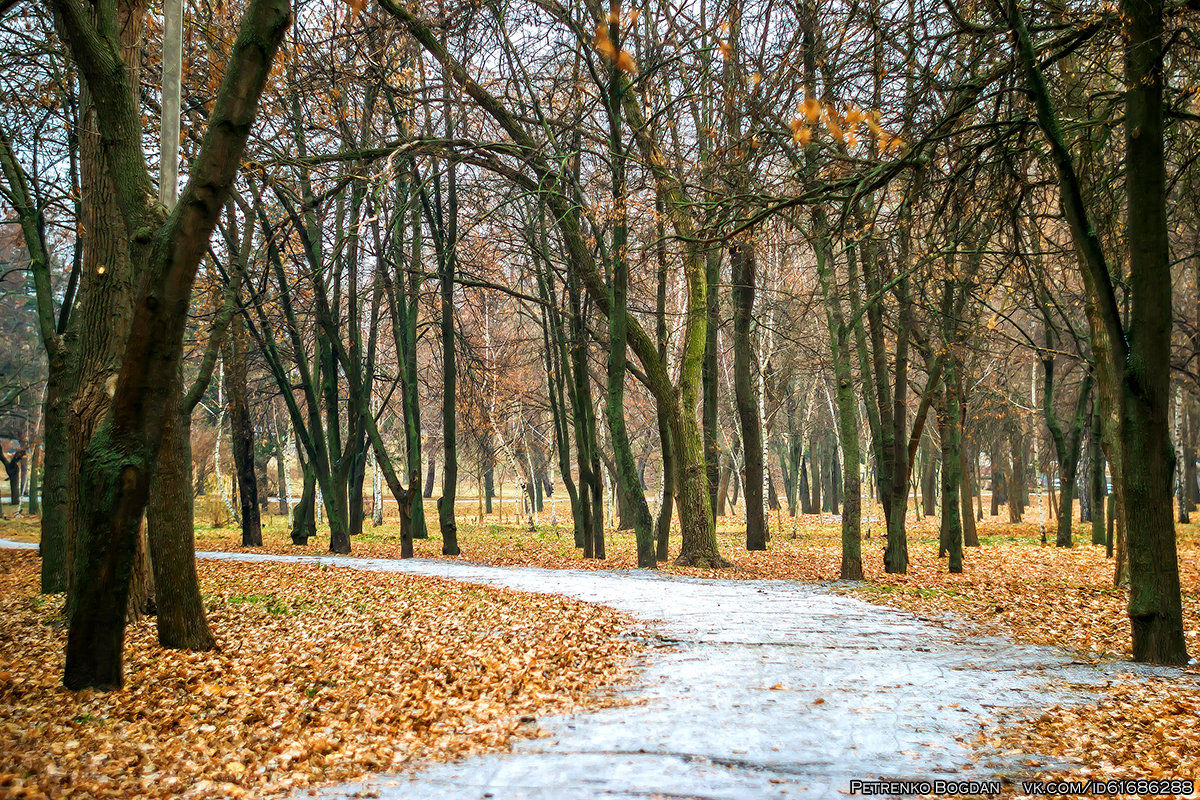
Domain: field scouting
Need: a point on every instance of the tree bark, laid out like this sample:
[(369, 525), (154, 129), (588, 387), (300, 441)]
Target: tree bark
[(949, 418), (1149, 457), (1097, 483), (709, 377), (970, 530), (241, 433), (304, 517), (743, 272), (170, 526)]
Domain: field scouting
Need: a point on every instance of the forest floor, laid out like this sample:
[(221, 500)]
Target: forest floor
[(322, 676), (1011, 586)]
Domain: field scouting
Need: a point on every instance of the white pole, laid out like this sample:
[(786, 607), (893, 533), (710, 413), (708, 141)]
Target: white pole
[(172, 78)]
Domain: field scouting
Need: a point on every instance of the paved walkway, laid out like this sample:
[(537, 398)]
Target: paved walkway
[(765, 689)]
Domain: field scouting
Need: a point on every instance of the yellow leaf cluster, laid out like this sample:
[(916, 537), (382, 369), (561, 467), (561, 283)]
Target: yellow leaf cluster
[(844, 127), (605, 47)]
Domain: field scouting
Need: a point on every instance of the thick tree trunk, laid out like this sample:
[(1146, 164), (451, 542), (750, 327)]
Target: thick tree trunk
[(118, 462), (699, 545), (55, 478), (170, 526), (1148, 454), (104, 304), (743, 270), (949, 417)]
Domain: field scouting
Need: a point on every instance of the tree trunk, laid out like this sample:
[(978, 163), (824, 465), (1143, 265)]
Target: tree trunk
[(1016, 479), (171, 529), (117, 464), (662, 525), (304, 517), (1149, 457), (970, 531), (834, 489), (242, 433), (12, 468), (489, 483), (699, 545), (709, 378), (723, 476), (803, 489), (35, 505), (949, 417), (1191, 488), (281, 475), (928, 479), (816, 477), (55, 478), (104, 304), (1097, 484), (743, 271), (449, 262)]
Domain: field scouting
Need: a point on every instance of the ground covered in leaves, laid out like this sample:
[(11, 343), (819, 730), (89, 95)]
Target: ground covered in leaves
[(322, 676), (1137, 729)]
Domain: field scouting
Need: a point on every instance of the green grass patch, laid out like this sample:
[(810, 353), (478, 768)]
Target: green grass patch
[(273, 604)]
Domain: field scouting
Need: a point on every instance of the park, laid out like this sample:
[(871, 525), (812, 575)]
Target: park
[(556, 399)]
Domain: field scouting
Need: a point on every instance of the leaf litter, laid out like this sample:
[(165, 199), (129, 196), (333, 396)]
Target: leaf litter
[(322, 676)]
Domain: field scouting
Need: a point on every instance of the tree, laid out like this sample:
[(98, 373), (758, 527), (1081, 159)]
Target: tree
[(1140, 354), (165, 250)]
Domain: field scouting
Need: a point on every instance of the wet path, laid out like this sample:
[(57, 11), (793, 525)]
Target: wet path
[(765, 689)]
